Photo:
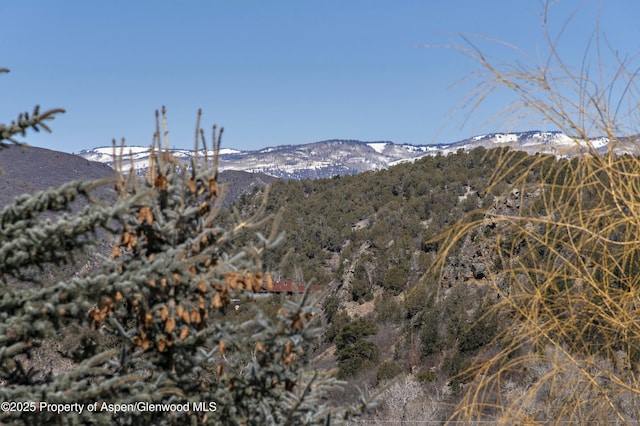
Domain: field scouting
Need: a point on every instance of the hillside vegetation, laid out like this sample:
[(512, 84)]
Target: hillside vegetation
[(391, 211), (479, 277), (370, 241), (492, 286)]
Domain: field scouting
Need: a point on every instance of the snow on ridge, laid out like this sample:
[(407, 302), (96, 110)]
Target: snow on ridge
[(416, 148), (408, 160), (562, 139), (377, 146), (224, 151), (337, 157), (600, 142), (109, 149), (505, 137)]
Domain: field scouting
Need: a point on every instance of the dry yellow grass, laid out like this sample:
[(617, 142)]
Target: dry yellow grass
[(566, 266)]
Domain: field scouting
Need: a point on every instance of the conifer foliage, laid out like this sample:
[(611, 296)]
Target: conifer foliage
[(162, 296), (25, 121)]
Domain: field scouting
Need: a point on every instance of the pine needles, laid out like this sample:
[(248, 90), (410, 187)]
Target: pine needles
[(161, 299)]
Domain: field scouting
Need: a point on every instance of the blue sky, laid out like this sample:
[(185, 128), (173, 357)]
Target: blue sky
[(273, 72)]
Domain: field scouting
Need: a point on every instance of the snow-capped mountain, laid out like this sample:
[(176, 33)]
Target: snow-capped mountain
[(556, 143), (314, 160), (340, 157)]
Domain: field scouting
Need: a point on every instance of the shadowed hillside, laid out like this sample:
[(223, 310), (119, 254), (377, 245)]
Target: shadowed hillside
[(27, 169), (239, 182)]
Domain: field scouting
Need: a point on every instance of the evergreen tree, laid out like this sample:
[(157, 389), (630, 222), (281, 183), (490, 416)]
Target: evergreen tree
[(162, 296)]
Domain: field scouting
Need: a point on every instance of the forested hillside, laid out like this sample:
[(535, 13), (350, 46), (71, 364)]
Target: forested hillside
[(421, 264), (370, 241), (393, 211)]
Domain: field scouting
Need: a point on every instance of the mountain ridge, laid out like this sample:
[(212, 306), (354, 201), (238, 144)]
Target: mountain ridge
[(26, 169), (332, 157)]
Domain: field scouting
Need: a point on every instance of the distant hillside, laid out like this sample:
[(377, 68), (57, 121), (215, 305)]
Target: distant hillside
[(343, 157), (239, 182), (535, 141), (314, 160), (25, 169), (367, 240)]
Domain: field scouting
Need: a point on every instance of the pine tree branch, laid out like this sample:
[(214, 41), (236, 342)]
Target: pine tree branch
[(25, 121)]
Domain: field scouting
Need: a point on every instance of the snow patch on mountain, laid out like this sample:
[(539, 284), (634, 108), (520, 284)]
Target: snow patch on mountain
[(378, 146), (340, 157)]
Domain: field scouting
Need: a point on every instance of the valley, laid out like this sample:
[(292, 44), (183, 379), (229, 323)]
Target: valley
[(416, 266)]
